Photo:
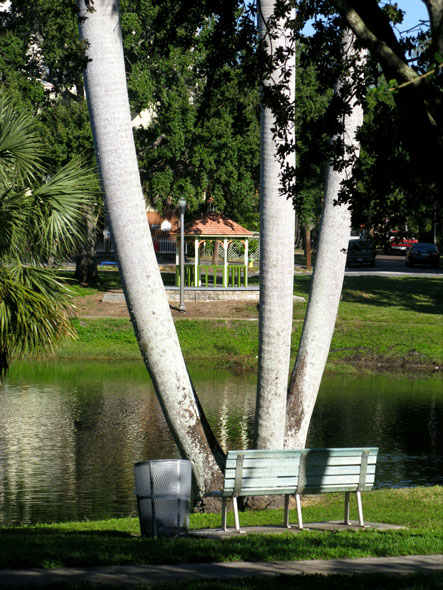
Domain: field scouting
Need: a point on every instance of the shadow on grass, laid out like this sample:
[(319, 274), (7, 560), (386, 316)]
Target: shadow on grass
[(61, 548), (416, 581), (416, 294)]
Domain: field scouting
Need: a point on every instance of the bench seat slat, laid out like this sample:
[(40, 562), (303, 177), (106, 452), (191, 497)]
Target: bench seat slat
[(336, 479), (310, 460), (328, 460), (343, 452), (274, 471), (263, 482), (265, 454), (337, 470), (342, 488), (263, 463), (288, 471), (339, 451), (311, 482), (260, 492)]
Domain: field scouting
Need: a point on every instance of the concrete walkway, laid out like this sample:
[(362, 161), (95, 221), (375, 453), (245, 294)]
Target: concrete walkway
[(135, 575)]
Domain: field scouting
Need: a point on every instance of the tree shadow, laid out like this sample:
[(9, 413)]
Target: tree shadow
[(416, 294)]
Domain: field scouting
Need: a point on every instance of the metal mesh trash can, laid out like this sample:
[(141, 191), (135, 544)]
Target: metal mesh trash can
[(163, 489)]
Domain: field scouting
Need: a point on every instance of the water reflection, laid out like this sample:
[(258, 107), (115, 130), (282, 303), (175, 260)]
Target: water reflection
[(70, 433)]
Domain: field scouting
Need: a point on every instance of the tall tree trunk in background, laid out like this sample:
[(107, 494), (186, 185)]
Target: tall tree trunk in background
[(326, 287), (105, 83), (277, 226), (86, 271), (308, 246)]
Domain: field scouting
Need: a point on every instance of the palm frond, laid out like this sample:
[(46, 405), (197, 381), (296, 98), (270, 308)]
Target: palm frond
[(15, 210), (32, 319), (62, 202), (21, 148)]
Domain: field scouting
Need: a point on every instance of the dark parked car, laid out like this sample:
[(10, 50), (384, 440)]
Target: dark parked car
[(360, 252), (423, 254)]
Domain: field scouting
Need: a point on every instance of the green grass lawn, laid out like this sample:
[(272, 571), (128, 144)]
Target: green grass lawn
[(117, 541), (384, 323)]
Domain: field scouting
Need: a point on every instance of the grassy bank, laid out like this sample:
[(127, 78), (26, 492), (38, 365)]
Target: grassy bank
[(384, 323), (117, 541)]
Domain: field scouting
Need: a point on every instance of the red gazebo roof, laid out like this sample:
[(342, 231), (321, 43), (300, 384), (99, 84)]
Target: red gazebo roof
[(215, 224)]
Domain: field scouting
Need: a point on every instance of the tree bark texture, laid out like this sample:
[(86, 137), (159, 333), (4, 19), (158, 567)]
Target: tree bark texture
[(326, 287), (105, 83), (86, 271), (277, 227)]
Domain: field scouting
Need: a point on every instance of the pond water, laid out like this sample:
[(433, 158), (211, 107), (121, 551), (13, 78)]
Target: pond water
[(70, 433)]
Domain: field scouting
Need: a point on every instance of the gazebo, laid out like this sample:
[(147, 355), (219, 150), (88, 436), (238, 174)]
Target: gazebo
[(214, 227)]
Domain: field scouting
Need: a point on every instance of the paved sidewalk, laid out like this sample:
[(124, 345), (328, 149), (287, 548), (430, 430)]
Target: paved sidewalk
[(135, 575)]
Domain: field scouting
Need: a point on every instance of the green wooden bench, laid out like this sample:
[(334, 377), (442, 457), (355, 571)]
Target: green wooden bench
[(297, 472)]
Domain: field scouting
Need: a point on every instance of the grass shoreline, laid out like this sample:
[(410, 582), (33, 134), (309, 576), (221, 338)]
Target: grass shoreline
[(384, 324), (233, 344)]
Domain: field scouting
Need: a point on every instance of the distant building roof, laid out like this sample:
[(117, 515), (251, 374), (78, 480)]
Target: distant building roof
[(215, 224)]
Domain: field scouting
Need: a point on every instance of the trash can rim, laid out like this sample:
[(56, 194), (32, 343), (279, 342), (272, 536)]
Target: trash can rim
[(162, 461)]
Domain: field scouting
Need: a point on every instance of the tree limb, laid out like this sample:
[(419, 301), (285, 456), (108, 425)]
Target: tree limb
[(371, 27)]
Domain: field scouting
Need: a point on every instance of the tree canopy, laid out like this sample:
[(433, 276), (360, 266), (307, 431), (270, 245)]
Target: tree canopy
[(195, 66), (397, 178)]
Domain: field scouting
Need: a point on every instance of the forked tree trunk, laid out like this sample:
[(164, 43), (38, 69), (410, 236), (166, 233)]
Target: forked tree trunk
[(105, 83), (327, 283), (86, 271), (277, 226)]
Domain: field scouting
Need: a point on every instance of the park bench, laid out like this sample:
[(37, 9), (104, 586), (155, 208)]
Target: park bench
[(296, 472)]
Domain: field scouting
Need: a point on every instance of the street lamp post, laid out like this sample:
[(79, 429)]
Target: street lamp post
[(182, 207)]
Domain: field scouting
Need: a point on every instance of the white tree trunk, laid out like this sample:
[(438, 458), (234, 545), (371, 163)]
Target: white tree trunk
[(105, 82), (277, 226), (327, 283)]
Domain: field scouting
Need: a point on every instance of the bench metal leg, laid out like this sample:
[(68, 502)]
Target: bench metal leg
[(347, 503), (236, 519), (286, 523), (299, 516), (360, 509), (224, 514)]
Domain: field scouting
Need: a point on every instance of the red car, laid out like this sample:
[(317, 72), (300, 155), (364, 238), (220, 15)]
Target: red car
[(399, 243)]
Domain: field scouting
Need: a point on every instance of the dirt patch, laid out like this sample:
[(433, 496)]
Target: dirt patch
[(92, 306)]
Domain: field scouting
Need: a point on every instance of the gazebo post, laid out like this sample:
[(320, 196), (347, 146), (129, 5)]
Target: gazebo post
[(246, 260), (196, 261), (225, 262)]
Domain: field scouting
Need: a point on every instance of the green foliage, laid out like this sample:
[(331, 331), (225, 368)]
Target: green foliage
[(33, 310), (387, 179), (204, 136), (196, 67), (37, 29), (41, 213), (66, 131)]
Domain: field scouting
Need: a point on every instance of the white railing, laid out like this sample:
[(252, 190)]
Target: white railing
[(164, 246)]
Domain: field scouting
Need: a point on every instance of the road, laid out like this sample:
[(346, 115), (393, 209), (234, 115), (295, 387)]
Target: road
[(393, 265)]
